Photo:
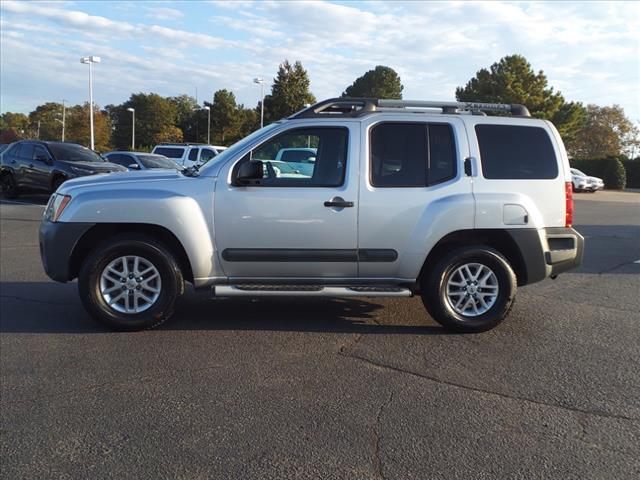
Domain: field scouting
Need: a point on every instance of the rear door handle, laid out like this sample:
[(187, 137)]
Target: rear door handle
[(338, 202)]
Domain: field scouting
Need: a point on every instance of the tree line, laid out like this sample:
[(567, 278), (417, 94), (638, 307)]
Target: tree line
[(588, 131)]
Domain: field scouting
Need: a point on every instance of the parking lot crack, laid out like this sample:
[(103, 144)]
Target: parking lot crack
[(33, 300), (377, 461), (597, 413)]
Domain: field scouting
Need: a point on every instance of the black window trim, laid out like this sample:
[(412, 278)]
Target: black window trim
[(248, 155), (453, 176)]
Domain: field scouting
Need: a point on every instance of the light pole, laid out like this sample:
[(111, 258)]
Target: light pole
[(260, 80), (90, 60), (133, 127), (208, 109), (64, 111)]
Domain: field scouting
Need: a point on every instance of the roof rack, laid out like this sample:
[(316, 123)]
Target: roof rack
[(358, 107), (182, 144)]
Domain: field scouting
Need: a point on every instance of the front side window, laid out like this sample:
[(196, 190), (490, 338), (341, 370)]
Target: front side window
[(411, 154), (39, 151), (328, 169), (121, 159), (207, 155), (514, 152)]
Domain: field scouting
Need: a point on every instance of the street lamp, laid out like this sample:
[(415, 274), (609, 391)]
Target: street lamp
[(260, 80), (90, 60), (64, 111), (208, 109), (133, 127)]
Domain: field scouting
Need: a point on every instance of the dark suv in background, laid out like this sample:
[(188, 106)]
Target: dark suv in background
[(44, 166)]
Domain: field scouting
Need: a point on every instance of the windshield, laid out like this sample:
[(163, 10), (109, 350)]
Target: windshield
[(578, 172), (157, 161), (169, 152), (72, 152), (236, 147)]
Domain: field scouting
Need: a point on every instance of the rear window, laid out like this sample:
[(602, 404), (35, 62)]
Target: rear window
[(516, 152), (169, 152)]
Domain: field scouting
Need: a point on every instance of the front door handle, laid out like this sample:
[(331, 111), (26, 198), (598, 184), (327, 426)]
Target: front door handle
[(338, 202)]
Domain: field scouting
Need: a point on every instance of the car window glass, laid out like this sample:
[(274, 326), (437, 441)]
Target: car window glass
[(399, 155), (206, 155), (39, 151), (193, 154), (72, 152), (26, 151), (121, 159), (157, 161), (442, 153), (516, 152), (327, 170), (302, 156), (169, 152)]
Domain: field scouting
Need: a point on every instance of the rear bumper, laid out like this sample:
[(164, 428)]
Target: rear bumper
[(57, 241), (548, 252)]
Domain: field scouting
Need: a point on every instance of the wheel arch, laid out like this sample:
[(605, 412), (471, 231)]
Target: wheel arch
[(498, 239), (96, 234)]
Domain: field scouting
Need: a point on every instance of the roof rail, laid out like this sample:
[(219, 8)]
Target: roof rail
[(183, 144), (357, 107)]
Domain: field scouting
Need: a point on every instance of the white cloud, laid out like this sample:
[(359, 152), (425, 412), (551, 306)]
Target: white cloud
[(163, 13)]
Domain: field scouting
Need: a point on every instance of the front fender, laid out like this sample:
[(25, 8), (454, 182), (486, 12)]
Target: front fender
[(180, 214)]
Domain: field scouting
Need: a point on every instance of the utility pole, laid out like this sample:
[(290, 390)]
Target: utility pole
[(64, 111), (38, 129)]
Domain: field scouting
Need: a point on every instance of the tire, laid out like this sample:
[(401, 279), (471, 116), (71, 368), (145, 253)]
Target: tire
[(440, 304), (55, 185), (8, 186), (92, 283)]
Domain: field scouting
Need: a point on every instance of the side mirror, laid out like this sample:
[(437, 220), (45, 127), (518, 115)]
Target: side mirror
[(133, 166), (249, 172)]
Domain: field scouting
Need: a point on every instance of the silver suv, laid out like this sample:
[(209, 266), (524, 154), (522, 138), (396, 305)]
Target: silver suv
[(403, 198)]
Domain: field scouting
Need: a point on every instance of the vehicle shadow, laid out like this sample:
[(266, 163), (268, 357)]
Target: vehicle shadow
[(40, 199), (41, 307)]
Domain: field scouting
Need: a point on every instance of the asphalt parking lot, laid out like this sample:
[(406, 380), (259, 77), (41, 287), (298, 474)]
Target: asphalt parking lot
[(354, 389)]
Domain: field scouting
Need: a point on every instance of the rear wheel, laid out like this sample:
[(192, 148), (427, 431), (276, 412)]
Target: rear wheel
[(8, 186), (470, 290), (57, 182), (131, 282)]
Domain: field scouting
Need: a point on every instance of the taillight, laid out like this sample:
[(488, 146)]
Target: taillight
[(568, 196)]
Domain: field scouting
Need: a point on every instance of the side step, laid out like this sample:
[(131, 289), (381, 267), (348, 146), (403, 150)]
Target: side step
[(307, 291)]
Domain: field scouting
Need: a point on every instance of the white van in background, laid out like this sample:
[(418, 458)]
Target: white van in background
[(188, 154)]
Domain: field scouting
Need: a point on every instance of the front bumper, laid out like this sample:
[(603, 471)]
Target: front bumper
[(57, 241), (548, 252)]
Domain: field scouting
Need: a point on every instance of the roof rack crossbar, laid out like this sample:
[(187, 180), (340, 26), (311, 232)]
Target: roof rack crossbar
[(357, 107)]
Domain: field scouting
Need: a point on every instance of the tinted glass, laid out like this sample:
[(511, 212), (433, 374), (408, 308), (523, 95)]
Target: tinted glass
[(442, 153), (169, 152), (515, 152), (120, 159), (206, 155), (399, 155), (3, 147), (39, 151), (328, 169), (72, 152), (193, 154), (157, 161), (26, 151)]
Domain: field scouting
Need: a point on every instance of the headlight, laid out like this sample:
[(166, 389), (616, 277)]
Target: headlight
[(83, 171), (55, 207)]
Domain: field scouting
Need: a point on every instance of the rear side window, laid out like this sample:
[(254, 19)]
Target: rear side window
[(411, 154), (169, 152), (516, 152), (193, 154), (26, 151)]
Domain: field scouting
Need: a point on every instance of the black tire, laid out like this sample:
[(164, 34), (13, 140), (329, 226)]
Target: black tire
[(56, 183), (8, 186), (131, 244), (434, 289)]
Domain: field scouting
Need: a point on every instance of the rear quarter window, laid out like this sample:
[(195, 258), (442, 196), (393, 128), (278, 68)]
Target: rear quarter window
[(169, 152), (516, 152)]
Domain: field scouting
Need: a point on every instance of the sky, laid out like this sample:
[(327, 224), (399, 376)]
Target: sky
[(590, 51)]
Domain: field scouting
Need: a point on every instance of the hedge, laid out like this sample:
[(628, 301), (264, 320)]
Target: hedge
[(610, 169), (632, 168)]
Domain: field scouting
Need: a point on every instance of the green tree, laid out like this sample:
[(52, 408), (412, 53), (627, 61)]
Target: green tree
[(186, 108), (606, 131), (249, 121), (50, 117), (153, 114), (77, 127), (225, 115), (13, 126), (381, 82), (513, 80), (289, 93)]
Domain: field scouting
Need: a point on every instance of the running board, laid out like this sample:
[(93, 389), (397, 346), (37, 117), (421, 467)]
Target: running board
[(307, 291)]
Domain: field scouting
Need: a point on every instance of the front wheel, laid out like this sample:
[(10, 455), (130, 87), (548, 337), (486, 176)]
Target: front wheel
[(130, 282), (8, 186), (471, 289)]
